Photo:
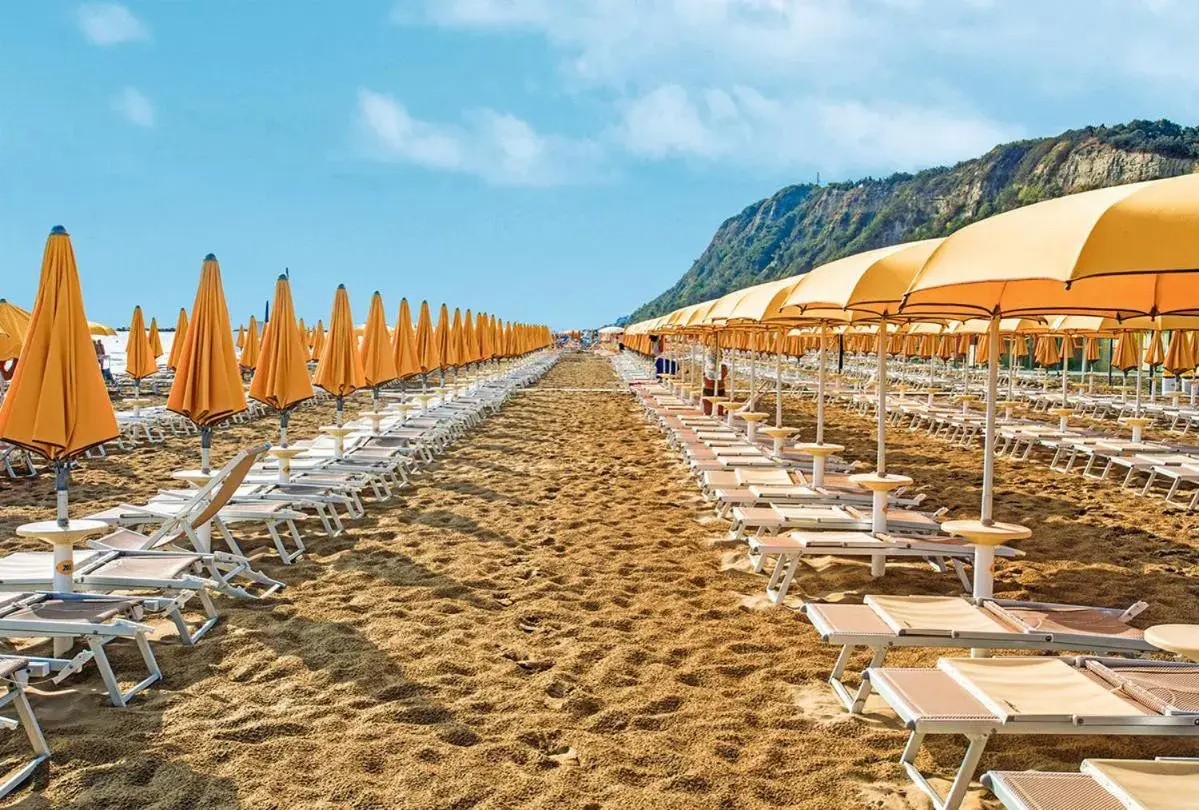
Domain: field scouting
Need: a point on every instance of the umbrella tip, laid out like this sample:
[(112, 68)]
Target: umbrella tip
[(341, 286), (58, 229), (283, 277), (211, 257)]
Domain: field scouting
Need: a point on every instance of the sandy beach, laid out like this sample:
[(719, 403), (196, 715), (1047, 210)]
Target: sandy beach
[(552, 618)]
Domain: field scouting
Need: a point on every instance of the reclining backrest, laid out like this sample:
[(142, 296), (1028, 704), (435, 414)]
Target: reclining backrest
[(237, 471)]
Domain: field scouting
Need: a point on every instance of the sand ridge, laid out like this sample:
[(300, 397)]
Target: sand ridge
[(551, 618)]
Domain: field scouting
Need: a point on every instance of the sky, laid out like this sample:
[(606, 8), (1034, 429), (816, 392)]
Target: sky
[(551, 161)]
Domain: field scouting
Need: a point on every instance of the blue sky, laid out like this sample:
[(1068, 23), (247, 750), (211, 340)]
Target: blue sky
[(555, 161)]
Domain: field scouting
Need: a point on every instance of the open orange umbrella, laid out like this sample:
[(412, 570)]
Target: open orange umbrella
[(155, 339), (58, 405), (403, 344), (339, 370), (251, 347), (177, 340), (281, 378), (427, 354), (139, 357), (318, 340), (207, 389), (378, 362)]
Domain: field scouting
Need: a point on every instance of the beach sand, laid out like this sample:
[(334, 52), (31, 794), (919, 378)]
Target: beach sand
[(552, 618)]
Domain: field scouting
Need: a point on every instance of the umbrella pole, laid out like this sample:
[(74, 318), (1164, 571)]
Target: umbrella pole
[(205, 449), (284, 416), (1140, 356), (1066, 350), (984, 556), (881, 421), (62, 482), (778, 381)]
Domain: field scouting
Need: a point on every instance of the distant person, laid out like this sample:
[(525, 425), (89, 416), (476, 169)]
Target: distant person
[(102, 359)]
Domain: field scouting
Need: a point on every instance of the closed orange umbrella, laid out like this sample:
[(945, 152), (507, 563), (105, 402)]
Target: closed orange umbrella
[(426, 342), (378, 362), (1179, 357), (281, 377), (250, 349), (441, 336), (207, 389), (177, 340), (340, 368), (1155, 354), (403, 344), (1090, 349), (14, 322), (470, 342), (58, 405), (1126, 355), (208, 385), (241, 337), (318, 340), (155, 339), (139, 357), (305, 337)]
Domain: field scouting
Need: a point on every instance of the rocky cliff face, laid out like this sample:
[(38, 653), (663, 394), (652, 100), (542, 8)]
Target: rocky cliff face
[(801, 227)]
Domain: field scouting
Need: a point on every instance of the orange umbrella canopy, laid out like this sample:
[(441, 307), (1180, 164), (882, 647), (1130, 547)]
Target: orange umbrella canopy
[(318, 340), (483, 336), (139, 357), (427, 354), (155, 339), (281, 378), (340, 368), (378, 362), (403, 344), (178, 340), (241, 337), (1090, 349), (207, 387), (58, 406), (14, 321)]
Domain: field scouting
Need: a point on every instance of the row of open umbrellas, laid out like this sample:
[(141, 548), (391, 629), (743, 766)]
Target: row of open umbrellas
[(1120, 258), (58, 406)]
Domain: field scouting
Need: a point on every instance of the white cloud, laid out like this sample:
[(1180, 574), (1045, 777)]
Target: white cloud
[(496, 146), (135, 107), (743, 126), (110, 24)]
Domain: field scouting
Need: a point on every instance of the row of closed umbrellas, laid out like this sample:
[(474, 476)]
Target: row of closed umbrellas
[(58, 406)]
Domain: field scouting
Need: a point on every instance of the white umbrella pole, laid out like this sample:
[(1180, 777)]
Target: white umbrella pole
[(820, 365), (778, 382), (881, 421), (1066, 349), (984, 556), (1140, 361)]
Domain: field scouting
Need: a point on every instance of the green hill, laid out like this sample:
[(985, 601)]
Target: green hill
[(804, 226)]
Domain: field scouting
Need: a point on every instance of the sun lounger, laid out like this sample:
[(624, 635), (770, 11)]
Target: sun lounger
[(99, 620), (1102, 784), (979, 698), (764, 521), (789, 549), (883, 622)]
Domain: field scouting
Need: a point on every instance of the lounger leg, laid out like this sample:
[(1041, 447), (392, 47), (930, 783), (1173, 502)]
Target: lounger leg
[(788, 564), (33, 732), (878, 565), (864, 689), (121, 699)]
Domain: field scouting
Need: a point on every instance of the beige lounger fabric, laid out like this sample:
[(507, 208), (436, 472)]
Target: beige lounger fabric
[(934, 613), (1060, 791), (1032, 687), (1148, 784)]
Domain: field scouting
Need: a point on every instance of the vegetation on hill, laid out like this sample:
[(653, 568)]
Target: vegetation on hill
[(803, 226)]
